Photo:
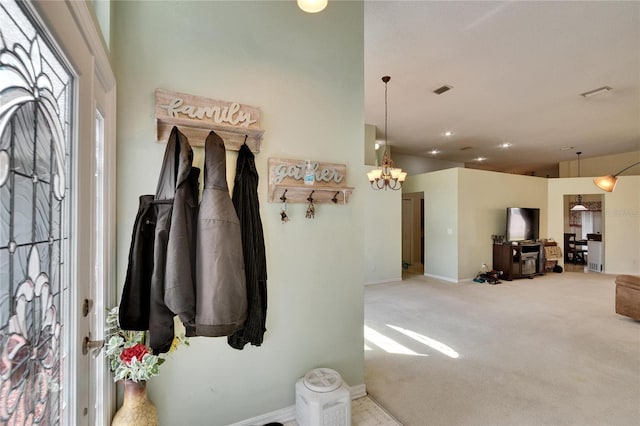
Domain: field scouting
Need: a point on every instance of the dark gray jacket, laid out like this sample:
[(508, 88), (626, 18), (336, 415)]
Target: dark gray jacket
[(221, 294), (173, 279)]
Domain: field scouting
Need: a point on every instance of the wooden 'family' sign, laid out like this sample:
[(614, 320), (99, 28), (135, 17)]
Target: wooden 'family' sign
[(196, 116)]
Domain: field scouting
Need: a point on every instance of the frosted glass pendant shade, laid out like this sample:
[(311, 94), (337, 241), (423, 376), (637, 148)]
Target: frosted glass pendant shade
[(606, 183)]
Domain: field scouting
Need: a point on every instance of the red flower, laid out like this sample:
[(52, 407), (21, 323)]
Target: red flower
[(138, 351)]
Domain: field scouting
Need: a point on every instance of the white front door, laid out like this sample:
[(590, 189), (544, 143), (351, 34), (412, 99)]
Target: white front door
[(50, 91)]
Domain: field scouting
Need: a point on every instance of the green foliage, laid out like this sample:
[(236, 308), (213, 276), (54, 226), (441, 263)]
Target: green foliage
[(118, 340)]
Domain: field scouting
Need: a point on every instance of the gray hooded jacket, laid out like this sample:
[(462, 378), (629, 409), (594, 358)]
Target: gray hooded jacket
[(176, 207), (221, 293)]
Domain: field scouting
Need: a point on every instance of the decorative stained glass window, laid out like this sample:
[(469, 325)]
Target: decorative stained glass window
[(35, 140)]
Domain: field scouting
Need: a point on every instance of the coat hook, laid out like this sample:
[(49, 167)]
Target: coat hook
[(335, 197), (311, 209), (283, 211), (245, 140)]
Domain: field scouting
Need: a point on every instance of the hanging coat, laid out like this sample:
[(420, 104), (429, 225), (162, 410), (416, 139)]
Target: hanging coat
[(245, 201), (176, 206), (133, 313), (221, 296)]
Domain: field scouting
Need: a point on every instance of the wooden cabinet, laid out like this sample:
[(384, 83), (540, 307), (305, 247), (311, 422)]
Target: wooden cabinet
[(519, 261)]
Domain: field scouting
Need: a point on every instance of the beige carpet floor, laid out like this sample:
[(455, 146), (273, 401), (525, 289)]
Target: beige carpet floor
[(546, 351)]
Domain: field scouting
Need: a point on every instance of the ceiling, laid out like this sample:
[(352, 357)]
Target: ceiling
[(517, 70)]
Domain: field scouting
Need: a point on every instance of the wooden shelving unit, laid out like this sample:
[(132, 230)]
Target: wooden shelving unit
[(524, 260)]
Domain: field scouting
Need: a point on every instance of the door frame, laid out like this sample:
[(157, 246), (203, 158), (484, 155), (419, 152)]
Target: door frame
[(72, 25)]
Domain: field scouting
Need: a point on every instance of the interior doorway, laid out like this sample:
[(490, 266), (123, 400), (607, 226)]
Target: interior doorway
[(413, 233), (583, 233)]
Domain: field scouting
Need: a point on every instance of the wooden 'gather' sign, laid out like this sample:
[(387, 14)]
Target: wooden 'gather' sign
[(196, 116)]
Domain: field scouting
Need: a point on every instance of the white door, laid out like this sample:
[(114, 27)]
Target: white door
[(50, 91)]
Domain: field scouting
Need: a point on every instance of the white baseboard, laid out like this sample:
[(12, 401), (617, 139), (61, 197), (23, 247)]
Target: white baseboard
[(358, 391), (288, 414), (392, 280), (438, 277)]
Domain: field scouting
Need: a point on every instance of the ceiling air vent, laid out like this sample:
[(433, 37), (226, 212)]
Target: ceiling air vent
[(466, 148), (442, 89)]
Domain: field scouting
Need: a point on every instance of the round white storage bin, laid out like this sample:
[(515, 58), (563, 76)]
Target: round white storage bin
[(322, 399)]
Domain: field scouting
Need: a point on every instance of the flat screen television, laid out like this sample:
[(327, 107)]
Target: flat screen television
[(523, 224)]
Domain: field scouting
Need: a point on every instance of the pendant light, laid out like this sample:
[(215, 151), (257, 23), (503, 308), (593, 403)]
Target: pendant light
[(608, 183), (312, 6), (579, 207), (388, 176)]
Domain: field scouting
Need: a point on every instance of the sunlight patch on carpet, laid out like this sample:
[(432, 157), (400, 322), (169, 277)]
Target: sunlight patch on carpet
[(428, 341), (387, 344)]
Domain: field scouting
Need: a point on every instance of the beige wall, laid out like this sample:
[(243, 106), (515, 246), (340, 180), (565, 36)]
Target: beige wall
[(483, 199), (414, 165), (370, 145), (621, 219), (305, 73), (463, 208), (601, 166), (440, 221)]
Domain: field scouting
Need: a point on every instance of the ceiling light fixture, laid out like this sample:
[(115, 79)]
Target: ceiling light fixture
[(579, 207), (479, 159), (440, 90), (505, 145), (608, 183), (312, 6), (448, 133), (388, 176), (595, 91), (434, 152)]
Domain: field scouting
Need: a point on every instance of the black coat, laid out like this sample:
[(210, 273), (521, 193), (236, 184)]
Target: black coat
[(166, 289), (245, 201)]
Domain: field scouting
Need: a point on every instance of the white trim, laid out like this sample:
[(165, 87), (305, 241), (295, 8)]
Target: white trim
[(93, 37), (288, 414), (389, 281), (438, 277), (104, 100), (358, 391)]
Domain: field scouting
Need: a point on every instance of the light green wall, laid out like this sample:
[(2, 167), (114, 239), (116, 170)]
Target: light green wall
[(440, 221), (621, 219), (383, 238), (305, 72)]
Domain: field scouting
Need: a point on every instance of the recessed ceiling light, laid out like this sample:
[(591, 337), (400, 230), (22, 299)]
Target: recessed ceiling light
[(505, 145), (448, 133), (566, 148), (434, 152), (479, 159)]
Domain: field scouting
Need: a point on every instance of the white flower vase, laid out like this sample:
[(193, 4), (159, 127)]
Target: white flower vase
[(137, 409)]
